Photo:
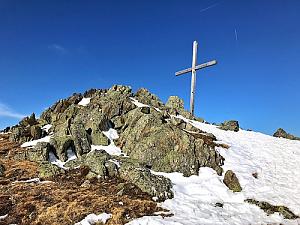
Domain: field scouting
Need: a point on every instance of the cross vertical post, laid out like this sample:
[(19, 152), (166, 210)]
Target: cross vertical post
[(193, 69), (193, 81)]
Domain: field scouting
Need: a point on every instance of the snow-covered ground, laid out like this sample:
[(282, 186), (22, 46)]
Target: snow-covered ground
[(275, 160)]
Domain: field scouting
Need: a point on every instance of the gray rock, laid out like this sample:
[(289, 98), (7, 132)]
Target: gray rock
[(283, 134), (145, 97), (96, 161), (164, 146), (36, 132), (232, 125), (80, 137), (231, 181), (61, 144), (175, 102), (47, 170), (155, 185)]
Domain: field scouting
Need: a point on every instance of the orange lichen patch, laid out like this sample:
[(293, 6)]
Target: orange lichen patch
[(67, 198)]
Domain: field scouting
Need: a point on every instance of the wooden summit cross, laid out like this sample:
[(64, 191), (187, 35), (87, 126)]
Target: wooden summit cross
[(193, 70)]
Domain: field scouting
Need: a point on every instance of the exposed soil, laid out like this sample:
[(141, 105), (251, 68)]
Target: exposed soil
[(65, 199)]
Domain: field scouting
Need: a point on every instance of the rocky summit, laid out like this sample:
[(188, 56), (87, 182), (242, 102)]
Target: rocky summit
[(80, 130)]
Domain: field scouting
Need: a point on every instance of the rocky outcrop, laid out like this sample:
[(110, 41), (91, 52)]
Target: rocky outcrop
[(283, 134), (167, 145), (232, 125), (153, 136), (231, 181)]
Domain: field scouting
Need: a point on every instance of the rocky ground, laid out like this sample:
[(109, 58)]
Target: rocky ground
[(64, 199)]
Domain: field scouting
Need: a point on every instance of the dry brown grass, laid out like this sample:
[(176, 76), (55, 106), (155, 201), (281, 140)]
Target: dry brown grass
[(64, 201)]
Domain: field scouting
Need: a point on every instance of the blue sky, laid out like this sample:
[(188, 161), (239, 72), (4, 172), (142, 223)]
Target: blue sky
[(51, 49)]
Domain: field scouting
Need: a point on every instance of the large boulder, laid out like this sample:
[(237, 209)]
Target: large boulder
[(283, 134), (166, 146), (232, 125), (39, 153), (155, 185), (231, 181)]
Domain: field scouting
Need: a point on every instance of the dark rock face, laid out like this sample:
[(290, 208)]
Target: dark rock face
[(152, 136), (231, 181), (283, 134), (232, 125)]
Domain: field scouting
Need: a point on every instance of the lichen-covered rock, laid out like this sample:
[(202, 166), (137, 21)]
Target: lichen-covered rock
[(270, 209), (96, 161), (47, 170), (166, 146), (231, 181), (232, 125), (283, 134), (61, 144), (155, 185), (81, 140), (175, 102), (36, 132), (145, 97), (28, 121)]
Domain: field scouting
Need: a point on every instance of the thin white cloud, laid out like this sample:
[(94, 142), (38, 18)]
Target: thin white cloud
[(5, 111), (57, 48), (236, 35), (210, 7)]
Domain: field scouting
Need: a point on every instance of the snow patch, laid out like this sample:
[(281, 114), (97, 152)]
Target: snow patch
[(111, 134), (139, 104), (93, 218), (111, 149), (47, 127), (54, 160), (33, 180), (84, 101), (3, 217), (34, 142)]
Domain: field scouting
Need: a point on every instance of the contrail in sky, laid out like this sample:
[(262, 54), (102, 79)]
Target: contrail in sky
[(209, 7), (236, 35)]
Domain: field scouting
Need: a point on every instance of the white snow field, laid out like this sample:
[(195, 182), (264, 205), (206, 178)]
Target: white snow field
[(277, 163)]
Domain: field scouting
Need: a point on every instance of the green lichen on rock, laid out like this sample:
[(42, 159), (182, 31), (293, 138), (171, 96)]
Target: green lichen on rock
[(155, 185), (47, 170), (270, 209), (231, 181), (231, 125)]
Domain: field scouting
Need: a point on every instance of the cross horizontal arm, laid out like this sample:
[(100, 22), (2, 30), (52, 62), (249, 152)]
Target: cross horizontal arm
[(198, 67)]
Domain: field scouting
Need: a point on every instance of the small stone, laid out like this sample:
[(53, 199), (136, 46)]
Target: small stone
[(219, 204), (86, 184), (145, 110)]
